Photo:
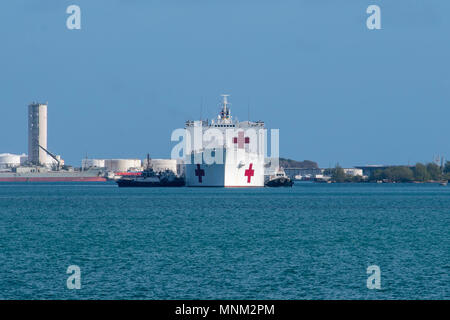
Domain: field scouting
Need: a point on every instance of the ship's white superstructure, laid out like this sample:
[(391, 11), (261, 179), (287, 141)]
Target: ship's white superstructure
[(225, 152)]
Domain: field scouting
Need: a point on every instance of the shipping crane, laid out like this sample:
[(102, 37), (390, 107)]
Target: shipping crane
[(53, 156)]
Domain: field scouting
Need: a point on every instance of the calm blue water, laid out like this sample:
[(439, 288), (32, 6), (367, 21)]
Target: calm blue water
[(314, 241)]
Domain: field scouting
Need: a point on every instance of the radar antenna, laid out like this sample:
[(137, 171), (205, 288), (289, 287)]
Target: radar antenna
[(225, 113)]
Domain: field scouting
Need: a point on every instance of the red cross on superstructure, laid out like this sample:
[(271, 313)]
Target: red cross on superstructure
[(240, 140), (199, 173), (249, 173)]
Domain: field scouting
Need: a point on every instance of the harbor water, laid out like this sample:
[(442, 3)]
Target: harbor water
[(311, 241)]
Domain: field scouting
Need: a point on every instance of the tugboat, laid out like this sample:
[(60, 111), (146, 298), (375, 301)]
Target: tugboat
[(150, 178), (279, 179)]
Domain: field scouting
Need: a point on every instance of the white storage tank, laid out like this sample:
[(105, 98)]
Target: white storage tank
[(92, 163), (122, 165), (159, 165), (9, 160)]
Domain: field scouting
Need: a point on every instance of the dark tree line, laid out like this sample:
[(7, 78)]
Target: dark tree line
[(289, 163), (421, 172)]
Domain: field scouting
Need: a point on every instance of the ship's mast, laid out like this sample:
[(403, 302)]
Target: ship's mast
[(225, 113), (225, 101)]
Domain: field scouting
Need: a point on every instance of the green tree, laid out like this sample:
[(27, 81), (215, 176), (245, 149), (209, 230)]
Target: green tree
[(399, 174), (447, 167), (434, 171), (338, 174), (355, 178), (421, 172), (446, 176), (377, 175)]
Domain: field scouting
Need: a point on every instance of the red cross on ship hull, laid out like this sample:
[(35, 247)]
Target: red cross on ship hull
[(249, 173), (199, 173), (240, 140)]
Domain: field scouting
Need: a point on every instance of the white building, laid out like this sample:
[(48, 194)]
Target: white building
[(353, 172)]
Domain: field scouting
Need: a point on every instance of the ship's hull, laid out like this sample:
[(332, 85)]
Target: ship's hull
[(54, 176), (125, 183), (280, 182), (240, 169), (128, 183), (149, 183), (52, 179)]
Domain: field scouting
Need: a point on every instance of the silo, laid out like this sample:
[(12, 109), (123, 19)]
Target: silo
[(92, 163), (37, 133), (119, 165), (8, 160), (159, 165)]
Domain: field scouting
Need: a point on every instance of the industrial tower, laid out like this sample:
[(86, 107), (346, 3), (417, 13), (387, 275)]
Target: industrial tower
[(37, 133)]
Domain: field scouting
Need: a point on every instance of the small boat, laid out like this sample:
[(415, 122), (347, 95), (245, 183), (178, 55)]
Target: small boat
[(279, 179), (443, 183), (150, 178)]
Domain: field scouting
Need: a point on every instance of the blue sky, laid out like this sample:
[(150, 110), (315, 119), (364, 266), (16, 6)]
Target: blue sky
[(136, 70)]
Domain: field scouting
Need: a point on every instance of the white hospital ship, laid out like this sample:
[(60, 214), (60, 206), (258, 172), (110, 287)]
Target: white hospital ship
[(225, 152)]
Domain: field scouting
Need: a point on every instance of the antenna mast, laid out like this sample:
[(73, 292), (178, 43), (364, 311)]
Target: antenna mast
[(225, 113), (225, 101)]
